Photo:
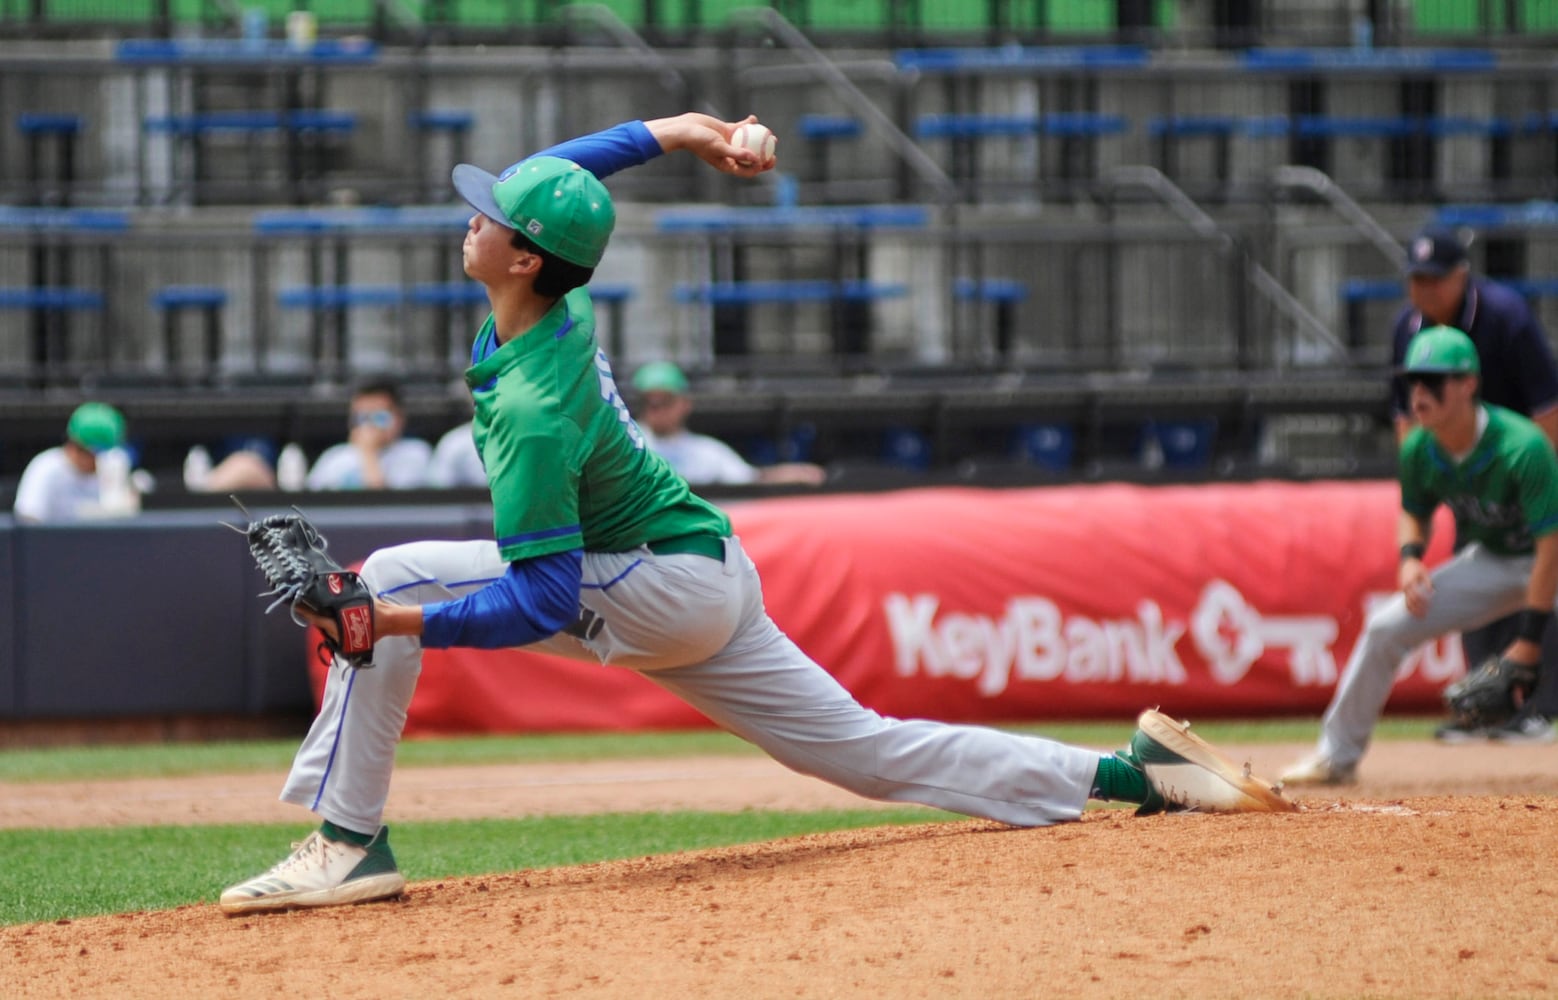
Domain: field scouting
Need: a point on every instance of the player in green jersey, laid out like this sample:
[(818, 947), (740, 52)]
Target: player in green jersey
[(602, 553), (1498, 474)]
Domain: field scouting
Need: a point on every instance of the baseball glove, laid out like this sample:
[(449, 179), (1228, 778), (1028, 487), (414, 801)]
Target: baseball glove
[(1491, 694), (290, 552)]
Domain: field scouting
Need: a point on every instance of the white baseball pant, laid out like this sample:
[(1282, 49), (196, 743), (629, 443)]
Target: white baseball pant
[(696, 627), (1472, 589)]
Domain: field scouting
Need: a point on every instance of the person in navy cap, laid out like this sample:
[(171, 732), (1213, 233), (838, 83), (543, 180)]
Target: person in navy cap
[(1518, 373)]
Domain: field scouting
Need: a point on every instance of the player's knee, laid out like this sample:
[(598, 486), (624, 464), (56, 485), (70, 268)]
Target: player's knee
[(386, 571)]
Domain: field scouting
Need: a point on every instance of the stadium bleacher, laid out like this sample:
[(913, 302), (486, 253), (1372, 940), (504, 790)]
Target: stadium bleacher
[(293, 199)]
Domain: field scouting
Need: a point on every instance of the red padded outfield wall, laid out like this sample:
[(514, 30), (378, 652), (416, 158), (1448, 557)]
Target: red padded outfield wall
[(1007, 605)]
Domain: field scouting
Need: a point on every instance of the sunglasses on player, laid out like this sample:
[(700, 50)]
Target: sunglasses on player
[(1432, 381)]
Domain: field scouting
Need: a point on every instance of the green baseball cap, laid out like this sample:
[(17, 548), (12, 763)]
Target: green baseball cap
[(660, 376), (96, 427), (559, 206), (1442, 350)]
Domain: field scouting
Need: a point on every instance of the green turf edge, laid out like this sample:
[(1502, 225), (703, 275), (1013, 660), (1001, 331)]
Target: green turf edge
[(160, 867), (176, 759)]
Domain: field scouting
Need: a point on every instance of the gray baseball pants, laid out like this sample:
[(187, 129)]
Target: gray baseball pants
[(1472, 589), (696, 627)]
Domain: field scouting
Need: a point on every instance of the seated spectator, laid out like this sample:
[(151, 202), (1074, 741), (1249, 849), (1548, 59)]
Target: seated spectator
[(245, 467), (456, 461), (62, 484), (375, 455), (664, 406)]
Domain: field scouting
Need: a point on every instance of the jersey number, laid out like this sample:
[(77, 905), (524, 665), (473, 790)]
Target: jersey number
[(608, 392)]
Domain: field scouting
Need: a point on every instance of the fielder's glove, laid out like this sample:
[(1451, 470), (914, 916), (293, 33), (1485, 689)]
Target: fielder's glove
[(290, 552), (1491, 694)]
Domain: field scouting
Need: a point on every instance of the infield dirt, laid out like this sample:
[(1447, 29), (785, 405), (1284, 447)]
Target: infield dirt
[(1432, 877)]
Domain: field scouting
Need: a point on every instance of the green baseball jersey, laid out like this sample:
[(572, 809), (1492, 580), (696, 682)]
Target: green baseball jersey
[(568, 467), (1504, 494)]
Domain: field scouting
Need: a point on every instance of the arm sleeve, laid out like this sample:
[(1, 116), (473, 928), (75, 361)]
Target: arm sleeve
[(532, 601), (604, 153)]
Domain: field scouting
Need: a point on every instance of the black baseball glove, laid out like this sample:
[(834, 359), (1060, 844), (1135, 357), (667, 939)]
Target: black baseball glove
[(1491, 694), (290, 552)]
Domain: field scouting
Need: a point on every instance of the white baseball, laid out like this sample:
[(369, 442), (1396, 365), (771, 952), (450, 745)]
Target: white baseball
[(758, 138)]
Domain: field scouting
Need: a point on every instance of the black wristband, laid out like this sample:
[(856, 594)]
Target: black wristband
[(1412, 550), (1532, 624)]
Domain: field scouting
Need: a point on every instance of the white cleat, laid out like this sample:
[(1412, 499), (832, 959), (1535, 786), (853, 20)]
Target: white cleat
[(321, 872)]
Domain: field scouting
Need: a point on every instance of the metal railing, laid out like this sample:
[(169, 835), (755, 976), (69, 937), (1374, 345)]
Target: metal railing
[(1304, 322)]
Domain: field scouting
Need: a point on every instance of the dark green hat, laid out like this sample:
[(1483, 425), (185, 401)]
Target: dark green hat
[(1442, 350)]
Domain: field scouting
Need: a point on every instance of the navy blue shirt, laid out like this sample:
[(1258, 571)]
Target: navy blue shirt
[(1518, 372)]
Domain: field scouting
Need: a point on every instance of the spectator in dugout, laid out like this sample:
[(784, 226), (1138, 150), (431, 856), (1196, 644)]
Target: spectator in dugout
[(665, 403), (1518, 373), (61, 484), (376, 455)]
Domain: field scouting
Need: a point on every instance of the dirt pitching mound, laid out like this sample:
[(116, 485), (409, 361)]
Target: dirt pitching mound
[(1443, 890), (1427, 897)]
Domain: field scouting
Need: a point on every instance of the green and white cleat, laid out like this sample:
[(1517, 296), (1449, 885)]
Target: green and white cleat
[(321, 872), (1185, 774)]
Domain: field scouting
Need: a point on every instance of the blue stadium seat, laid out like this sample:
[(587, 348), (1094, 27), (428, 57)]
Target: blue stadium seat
[(305, 128), (453, 123), (1004, 294), (906, 448), (38, 129), (1372, 290), (1357, 293), (959, 60), (339, 296), (1049, 446), (979, 126), (1075, 134), (52, 298), (1185, 445), (821, 132), (818, 127), (800, 291), (208, 300)]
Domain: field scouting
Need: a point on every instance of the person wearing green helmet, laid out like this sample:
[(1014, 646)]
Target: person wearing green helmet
[(664, 404), (1498, 474), (1517, 372), (61, 484)]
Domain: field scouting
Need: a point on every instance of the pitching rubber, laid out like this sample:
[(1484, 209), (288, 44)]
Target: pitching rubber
[(1203, 780)]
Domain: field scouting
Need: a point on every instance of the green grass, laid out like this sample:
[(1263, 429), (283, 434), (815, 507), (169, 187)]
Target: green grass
[(62, 874), (174, 759)]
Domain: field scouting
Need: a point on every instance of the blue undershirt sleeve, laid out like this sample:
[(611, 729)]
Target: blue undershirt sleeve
[(535, 599), (606, 152)]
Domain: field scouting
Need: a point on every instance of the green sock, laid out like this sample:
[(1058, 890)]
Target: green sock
[(1117, 781), (340, 834)]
